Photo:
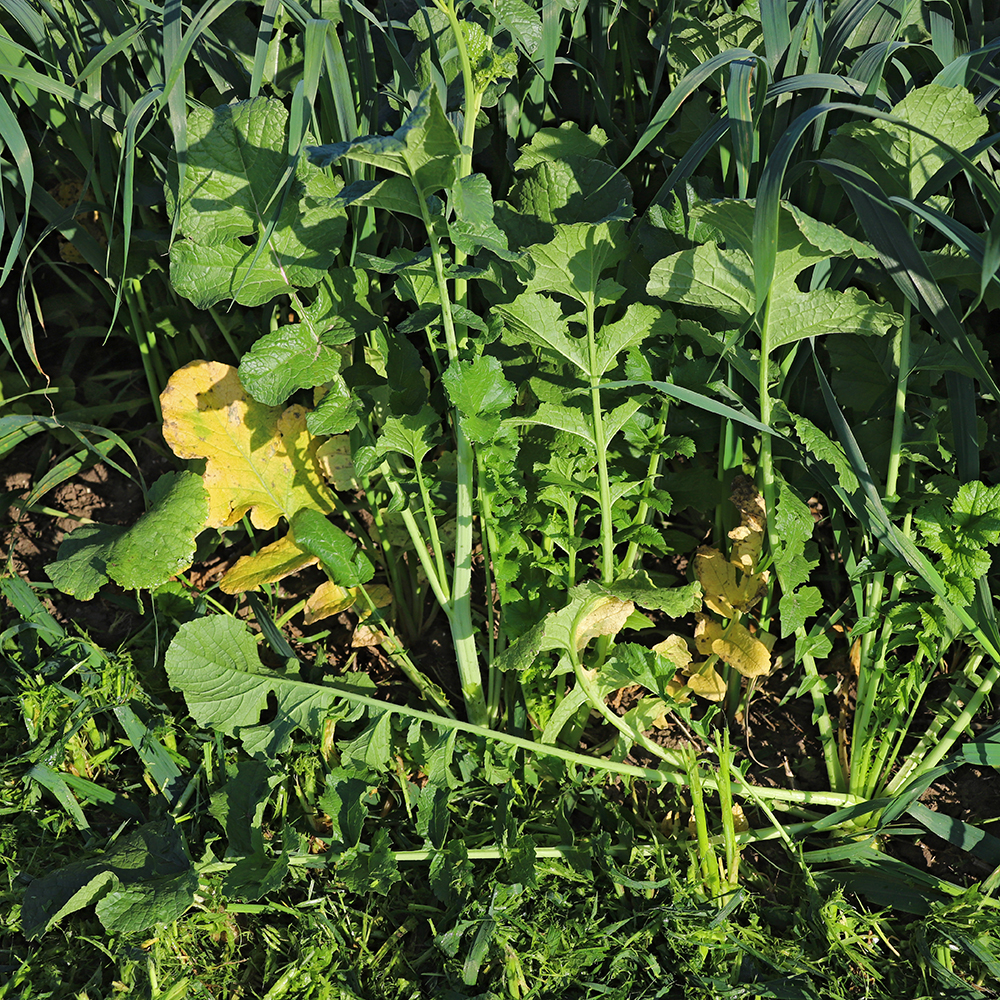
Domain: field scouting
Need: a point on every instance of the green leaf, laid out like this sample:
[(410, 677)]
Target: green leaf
[(901, 160), (573, 261), (394, 194), (706, 276), (231, 192), (365, 870), (424, 148), (794, 524), (538, 321), (152, 856), (675, 602), (337, 412), (82, 564), (960, 532), (158, 546), (239, 806), (292, 357), (562, 418), (555, 145), (480, 392), (412, 435), (798, 606), (343, 802), (346, 566), (213, 662), (639, 322), (451, 876)]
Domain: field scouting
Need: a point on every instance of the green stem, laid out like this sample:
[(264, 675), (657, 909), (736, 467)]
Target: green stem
[(604, 482), (459, 609), (834, 771)]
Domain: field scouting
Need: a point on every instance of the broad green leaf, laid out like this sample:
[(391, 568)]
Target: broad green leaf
[(723, 279), (213, 662), (561, 418), (365, 870), (237, 155), (576, 189), (640, 321), (158, 546), (129, 909), (424, 148), (538, 321), (292, 357), (901, 160), (795, 608), (152, 855), (480, 392), (573, 261), (557, 144), (259, 460), (706, 276), (473, 226), (794, 524), (336, 413), (338, 554), (82, 565), (394, 194), (231, 193)]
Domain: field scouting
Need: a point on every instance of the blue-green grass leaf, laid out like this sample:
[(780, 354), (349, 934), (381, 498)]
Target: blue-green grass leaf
[(680, 93), (777, 31), (741, 125), (964, 836)]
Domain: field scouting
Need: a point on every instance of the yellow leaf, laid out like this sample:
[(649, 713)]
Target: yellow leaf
[(258, 458), (328, 599), (273, 562), (708, 685), (675, 649), (727, 589), (734, 645), (334, 458), (603, 617), (381, 597)]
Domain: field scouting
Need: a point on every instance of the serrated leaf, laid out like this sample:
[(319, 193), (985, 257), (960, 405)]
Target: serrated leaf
[(639, 322), (675, 602), (82, 564), (158, 546), (370, 870), (901, 160), (153, 855), (478, 387), (795, 608), (236, 158), (556, 144), (258, 459), (412, 435), (538, 321), (213, 662), (794, 524), (562, 418), (573, 261), (162, 542)]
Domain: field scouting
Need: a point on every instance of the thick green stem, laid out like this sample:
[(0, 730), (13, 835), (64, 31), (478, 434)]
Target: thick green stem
[(603, 480)]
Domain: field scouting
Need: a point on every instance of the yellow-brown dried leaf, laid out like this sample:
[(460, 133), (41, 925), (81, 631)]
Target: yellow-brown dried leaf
[(270, 564)]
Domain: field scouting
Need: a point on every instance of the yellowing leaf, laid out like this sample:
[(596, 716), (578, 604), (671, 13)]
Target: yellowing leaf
[(675, 649), (727, 589), (258, 458), (733, 644), (708, 685), (272, 563), (606, 616), (327, 600), (334, 458)]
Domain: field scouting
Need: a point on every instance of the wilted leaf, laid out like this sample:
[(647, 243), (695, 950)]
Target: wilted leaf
[(258, 459), (733, 644), (272, 563), (707, 684), (334, 458)]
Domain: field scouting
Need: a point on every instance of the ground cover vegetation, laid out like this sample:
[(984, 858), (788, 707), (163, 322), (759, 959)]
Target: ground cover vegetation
[(499, 499)]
